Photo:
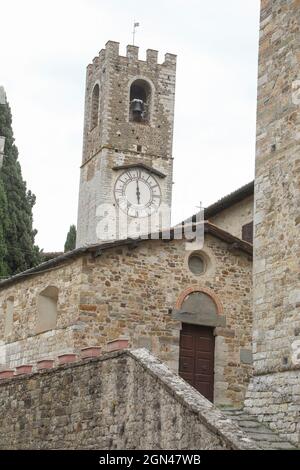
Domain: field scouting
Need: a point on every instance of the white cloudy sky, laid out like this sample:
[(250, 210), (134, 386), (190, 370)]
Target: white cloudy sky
[(44, 49)]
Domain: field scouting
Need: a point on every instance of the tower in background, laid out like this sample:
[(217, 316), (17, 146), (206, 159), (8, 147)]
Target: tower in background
[(127, 146), (274, 392)]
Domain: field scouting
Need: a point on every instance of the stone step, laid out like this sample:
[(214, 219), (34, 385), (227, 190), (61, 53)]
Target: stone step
[(266, 437), (260, 433), (246, 423), (279, 446)]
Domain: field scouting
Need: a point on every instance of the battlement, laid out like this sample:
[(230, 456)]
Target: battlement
[(111, 53)]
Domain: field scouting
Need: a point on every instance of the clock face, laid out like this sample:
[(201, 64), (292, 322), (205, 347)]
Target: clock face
[(137, 192)]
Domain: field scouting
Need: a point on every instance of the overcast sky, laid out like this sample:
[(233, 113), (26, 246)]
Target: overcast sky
[(44, 49)]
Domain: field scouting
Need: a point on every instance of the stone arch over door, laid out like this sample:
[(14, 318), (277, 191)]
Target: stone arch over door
[(199, 306)]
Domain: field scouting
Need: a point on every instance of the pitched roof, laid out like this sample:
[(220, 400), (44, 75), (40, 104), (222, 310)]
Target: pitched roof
[(233, 242), (227, 201)]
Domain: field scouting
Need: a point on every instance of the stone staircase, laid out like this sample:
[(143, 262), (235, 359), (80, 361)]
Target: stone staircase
[(258, 432)]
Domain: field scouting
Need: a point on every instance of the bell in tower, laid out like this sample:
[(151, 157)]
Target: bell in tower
[(137, 109), (140, 97)]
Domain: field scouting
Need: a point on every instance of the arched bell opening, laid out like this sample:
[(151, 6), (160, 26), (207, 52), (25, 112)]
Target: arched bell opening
[(140, 99)]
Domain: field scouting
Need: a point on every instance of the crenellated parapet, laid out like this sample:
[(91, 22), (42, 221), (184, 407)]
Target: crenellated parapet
[(111, 53)]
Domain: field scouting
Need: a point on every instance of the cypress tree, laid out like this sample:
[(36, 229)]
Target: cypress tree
[(21, 252), (4, 270), (71, 239)]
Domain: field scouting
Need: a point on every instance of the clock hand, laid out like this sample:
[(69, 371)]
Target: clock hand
[(138, 193)]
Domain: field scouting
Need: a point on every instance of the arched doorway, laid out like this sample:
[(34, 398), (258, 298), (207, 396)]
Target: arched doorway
[(199, 311)]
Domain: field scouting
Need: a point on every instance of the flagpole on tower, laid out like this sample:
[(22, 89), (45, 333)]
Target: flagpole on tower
[(135, 25)]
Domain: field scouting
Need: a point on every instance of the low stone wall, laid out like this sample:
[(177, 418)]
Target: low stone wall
[(123, 400), (274, 399)]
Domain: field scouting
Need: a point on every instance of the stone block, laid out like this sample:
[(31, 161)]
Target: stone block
[(93, 351), (117, 344), (67, 358), (246, 356), (45, 364), (24, 369), (6, 374)]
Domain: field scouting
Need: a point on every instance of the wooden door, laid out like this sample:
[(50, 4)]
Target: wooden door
[(196, 358)]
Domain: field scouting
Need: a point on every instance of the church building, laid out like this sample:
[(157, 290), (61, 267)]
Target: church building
[(222, 314), (191, 307)]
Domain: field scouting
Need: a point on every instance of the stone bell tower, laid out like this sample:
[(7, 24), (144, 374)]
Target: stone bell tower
[(274, 392), (128, 134)]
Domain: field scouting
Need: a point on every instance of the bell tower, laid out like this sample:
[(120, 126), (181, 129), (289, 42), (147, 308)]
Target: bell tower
[(127, 160)]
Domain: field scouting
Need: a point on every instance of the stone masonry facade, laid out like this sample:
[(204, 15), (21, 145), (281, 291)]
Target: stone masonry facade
[(130, 292), (115, 141), (22, 344), (100, 404), (274, 392), (235, 217)]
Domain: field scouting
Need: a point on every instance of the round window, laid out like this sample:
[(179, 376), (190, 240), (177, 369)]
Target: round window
[(196, 264)]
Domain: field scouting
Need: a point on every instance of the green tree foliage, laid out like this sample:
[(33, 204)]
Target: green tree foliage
[(20, 252), (4, 270), (71, 239)]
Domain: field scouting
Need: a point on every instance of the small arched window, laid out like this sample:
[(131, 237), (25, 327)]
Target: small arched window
[(95, 106), (47, 309), (140, 100)]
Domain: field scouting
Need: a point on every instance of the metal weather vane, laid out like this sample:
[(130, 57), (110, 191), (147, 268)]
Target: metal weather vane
[(136, 24)]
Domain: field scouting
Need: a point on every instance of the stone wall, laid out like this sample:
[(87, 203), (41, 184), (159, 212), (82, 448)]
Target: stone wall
[(274, 392), (235, 217), (131, 292), (139, 305), (100, 404), (23, 345)]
